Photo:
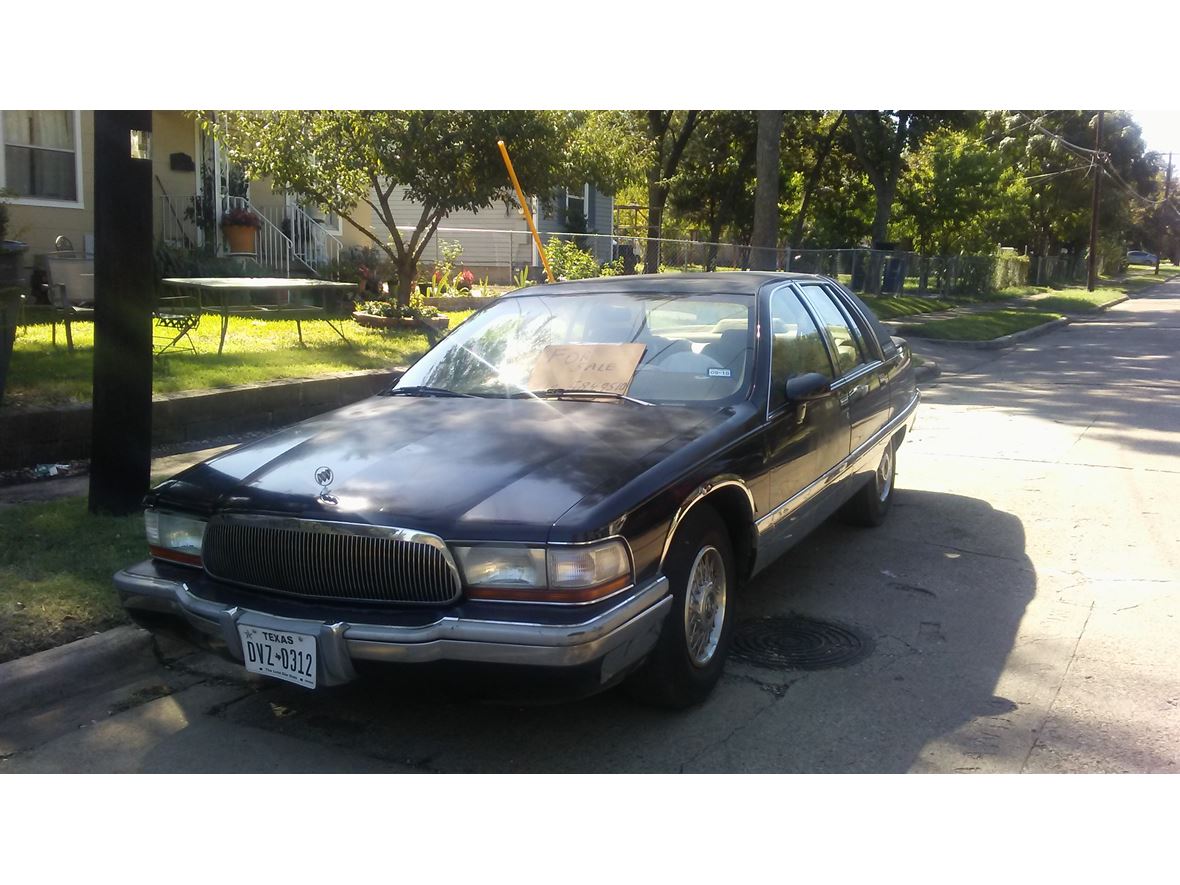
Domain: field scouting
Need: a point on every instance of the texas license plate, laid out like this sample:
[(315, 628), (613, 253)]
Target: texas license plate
[(283, 655)]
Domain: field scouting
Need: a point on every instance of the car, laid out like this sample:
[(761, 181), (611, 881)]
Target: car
[(1136, 256), (571, 489)]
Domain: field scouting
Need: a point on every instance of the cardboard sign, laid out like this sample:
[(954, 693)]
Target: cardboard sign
[(605, 367)]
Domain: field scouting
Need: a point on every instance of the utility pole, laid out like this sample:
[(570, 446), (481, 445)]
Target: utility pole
[(1098, 161), (120, 459)]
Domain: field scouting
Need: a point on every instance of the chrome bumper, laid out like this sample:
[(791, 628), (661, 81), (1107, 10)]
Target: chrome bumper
[(618, 637)]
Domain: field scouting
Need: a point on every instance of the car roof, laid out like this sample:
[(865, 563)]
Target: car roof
[(717, 283)]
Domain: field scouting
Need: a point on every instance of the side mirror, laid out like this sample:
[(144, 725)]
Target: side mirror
[(804, 388)]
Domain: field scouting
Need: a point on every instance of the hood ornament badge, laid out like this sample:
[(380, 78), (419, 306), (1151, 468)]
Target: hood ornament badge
[(323, 478)]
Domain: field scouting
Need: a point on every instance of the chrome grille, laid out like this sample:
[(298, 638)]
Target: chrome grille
[(330, 560)]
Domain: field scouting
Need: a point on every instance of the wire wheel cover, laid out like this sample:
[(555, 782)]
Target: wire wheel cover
[(704, 605)]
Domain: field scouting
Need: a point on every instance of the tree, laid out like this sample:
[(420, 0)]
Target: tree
[(823, 149), (713, 187), (956, 193), (764, 241), (353, 162), (667, 134)]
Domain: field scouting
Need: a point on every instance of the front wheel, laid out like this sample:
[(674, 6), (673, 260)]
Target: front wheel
[(690, 655)]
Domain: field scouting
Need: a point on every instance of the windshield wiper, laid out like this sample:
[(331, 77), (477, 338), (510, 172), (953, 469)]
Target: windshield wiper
[(424, 391), (560, 392)]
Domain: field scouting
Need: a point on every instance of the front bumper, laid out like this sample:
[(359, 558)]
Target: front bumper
[(610, 641)]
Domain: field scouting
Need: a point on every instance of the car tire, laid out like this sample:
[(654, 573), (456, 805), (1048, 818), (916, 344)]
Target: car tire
[(690, 654), (869, 506)]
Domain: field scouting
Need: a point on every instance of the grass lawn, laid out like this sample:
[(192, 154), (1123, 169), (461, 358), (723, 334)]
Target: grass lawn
[(1077, 299), (56, 562), (980, 326), (889, 306), (255, 350)]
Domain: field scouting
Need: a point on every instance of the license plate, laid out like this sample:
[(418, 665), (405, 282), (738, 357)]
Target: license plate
[(289, 656)]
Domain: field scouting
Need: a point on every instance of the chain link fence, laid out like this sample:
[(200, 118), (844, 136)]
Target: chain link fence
[(501, 254)]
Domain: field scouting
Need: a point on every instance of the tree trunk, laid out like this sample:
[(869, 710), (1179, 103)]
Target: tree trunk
[(657, 196), (407, 275), (765, 237)]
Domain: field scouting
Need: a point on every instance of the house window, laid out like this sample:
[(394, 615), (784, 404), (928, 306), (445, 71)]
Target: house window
[(575, 208), (41, 154)]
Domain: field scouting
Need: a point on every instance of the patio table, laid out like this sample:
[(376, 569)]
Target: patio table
[(221, 292)]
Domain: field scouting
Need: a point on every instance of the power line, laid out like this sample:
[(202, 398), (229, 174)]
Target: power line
[(1087, 167)]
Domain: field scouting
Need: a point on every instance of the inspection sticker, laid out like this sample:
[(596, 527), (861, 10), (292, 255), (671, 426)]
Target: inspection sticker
[(720, 373)]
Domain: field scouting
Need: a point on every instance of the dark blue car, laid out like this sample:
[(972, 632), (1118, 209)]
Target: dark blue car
[(575, 484)]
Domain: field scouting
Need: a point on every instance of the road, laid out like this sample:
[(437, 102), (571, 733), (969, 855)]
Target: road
[(1020, 610)]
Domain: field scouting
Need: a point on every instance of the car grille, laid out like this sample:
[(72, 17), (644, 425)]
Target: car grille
[(327, 560)]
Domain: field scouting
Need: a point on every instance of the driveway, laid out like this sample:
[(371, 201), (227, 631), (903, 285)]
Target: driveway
[(1018, 612)]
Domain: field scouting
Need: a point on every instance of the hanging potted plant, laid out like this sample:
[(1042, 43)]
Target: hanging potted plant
[(240, 226)]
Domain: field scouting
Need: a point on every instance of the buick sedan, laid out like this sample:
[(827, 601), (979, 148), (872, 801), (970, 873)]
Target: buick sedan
[(575, 484)]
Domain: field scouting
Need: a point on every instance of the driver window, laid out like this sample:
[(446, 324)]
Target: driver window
[(796, 345)]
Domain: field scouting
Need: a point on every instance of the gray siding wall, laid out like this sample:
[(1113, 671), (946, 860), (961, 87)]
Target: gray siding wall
[(501, 236)]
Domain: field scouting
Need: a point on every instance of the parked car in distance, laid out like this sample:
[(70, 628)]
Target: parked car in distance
[(1136, 256), (576, 483)]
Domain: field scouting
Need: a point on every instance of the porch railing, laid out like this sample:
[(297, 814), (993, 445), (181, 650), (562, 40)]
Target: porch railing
[(313, 243)]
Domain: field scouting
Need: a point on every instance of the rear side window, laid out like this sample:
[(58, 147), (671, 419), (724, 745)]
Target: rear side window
[(797, 348), (875, 329), (848, 351)]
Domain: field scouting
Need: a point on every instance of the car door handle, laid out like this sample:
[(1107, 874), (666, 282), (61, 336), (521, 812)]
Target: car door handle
[(853, 395)]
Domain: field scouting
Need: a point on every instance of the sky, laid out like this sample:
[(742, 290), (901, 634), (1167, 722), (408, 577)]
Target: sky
[(1161, 129)]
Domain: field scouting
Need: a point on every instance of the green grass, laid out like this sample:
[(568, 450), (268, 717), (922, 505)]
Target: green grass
[(980, 326), (889, 306), (56, 562), (255, 350), (1077, 299)]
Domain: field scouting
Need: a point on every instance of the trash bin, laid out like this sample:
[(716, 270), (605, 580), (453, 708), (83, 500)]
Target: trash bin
[(858, 273), (894, 276)]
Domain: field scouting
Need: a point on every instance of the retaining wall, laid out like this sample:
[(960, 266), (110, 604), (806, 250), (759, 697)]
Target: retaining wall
[(45, 435)]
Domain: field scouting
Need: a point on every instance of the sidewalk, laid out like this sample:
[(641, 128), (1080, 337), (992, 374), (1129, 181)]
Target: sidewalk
[(163, 466)]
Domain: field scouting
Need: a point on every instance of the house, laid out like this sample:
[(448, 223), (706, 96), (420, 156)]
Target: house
[(48, 163)]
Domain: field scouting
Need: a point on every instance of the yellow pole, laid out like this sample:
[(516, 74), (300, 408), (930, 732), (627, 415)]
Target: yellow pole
[(528, 216)]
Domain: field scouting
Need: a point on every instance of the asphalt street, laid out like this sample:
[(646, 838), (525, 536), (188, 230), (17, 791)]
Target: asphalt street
[(1019, 611)]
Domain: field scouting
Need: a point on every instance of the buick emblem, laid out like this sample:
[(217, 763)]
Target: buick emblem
[(324, 477)]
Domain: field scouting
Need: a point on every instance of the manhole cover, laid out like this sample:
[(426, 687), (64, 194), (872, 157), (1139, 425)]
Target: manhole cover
[(797, 643)]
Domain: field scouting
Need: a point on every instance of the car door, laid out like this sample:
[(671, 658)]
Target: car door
[(802, 442), (860, 382)]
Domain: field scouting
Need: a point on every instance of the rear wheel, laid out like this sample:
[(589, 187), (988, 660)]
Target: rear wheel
[(690, 655), (871, 504)]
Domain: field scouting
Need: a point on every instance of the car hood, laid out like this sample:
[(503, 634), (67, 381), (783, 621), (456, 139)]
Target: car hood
[(455, 466)]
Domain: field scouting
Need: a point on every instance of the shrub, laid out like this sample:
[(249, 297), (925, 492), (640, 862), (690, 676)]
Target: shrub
[(568, 262)]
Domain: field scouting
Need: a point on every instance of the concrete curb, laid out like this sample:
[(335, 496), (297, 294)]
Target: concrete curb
[(70, 668), (1113, 302), (927, 372), (1003, 341)]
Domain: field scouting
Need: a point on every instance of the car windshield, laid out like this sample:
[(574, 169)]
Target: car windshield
[(655, 348)]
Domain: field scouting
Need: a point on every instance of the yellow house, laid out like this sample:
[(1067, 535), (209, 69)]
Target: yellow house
[(48, 163), (47, 168)]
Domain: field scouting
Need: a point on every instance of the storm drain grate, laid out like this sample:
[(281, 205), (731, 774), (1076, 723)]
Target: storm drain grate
[(798, 643)]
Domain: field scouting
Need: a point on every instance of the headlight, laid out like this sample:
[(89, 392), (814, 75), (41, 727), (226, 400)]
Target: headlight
[(174, 537), (580, 573), (502, 566)]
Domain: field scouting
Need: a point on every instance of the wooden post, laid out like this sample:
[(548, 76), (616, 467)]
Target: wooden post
[(120, 459)]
